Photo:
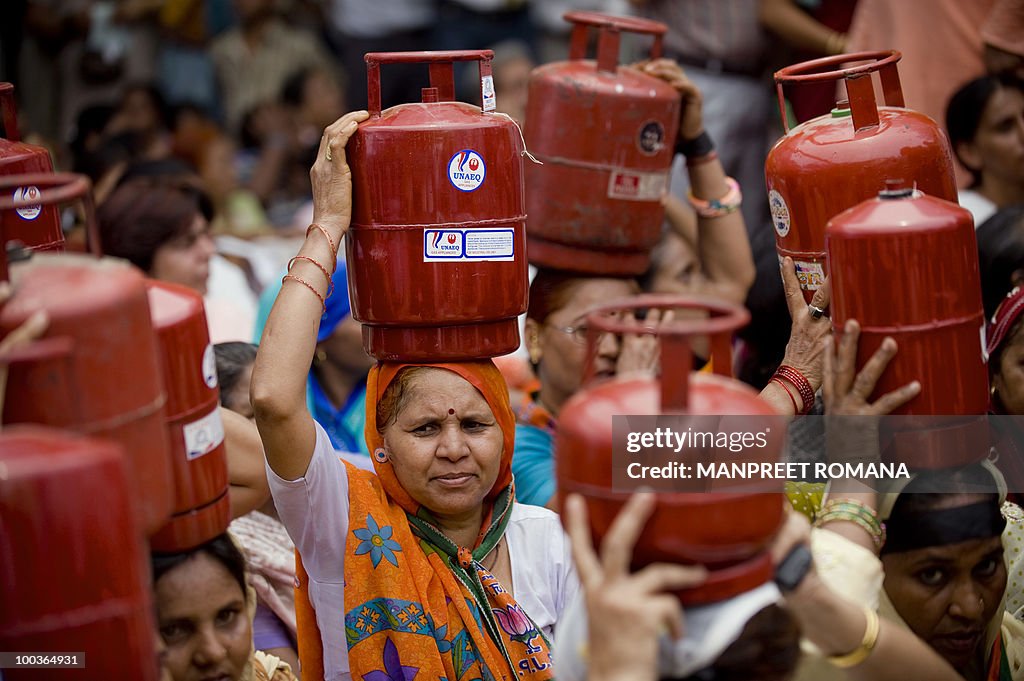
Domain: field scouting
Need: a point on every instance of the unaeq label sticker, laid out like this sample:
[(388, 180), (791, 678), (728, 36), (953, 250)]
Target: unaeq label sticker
[(466, 170), (780, 212), (27, 194)]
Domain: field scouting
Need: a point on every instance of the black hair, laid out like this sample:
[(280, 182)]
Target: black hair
[(222, 549), (91, 120), (293, 90), (967, 106), (142, 215), (929, 488), (1000, 254), (123, 147), (247, 135), (767, 649), (232, 359)]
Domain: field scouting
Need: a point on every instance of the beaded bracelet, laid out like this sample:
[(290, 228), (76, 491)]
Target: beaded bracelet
[(800, 382), (867, 644), (327, 275), (715, 208), (773, 379), (292, 277), (323, 230)]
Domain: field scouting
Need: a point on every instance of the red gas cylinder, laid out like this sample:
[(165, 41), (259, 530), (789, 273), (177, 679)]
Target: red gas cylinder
[(606, 136), (831, 163), (35, 226), (74, 576), (437, 248), (727, 529), (194, 430), (891, 258), (96, 369)]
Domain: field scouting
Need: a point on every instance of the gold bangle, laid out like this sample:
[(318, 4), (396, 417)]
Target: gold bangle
[(857, 508), (874, 530), (862, 652)]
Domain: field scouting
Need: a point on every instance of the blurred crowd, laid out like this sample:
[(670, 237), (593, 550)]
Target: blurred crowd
[(198, 122), (232, 96)]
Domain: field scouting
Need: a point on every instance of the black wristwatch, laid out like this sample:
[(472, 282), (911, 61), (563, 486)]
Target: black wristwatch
[(793, 568)]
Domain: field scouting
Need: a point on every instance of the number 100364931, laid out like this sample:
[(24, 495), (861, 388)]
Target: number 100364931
[(42, 660)]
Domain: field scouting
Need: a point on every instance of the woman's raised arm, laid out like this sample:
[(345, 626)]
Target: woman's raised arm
[(278, 390)]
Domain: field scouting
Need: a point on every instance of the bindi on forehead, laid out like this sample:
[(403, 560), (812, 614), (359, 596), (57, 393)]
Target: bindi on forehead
[(450, 411)]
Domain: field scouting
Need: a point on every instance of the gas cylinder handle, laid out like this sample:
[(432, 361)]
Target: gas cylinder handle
[(863, 108), (53, 188), (675, 354), (442, 72), (608, 38), (9, 109)]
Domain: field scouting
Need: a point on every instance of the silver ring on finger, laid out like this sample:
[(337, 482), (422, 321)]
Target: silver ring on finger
[(815, 311)]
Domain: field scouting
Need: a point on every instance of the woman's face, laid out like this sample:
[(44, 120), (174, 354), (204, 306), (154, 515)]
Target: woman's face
[(947, 595), (678, 269), (561, 353), (322, 99), (217, 168), (185, 259), (1008, 380), (998, 146), (139, 112), (203, 621), (445, 444)]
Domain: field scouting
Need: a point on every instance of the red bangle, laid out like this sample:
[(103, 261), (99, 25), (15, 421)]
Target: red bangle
[(782, 385), (305, 283), (327, 275), (800, 382), (334, 248)]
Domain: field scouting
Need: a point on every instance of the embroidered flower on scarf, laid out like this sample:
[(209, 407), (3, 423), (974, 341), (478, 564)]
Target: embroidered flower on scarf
[(393, 670), (377, 542)]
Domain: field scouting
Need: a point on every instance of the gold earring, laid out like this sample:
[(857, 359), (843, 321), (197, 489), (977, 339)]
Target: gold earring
[(320, 357)]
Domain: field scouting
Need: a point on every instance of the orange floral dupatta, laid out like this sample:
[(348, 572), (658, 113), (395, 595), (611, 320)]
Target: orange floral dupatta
[(417, 606)]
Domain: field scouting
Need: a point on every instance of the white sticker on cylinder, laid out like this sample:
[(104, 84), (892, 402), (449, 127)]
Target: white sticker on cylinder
[(780, 212), (466, 170), (203, 435), (487, 93), (493, 244), (27, 194), (810, 274), (209, 367), (633, 185)]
